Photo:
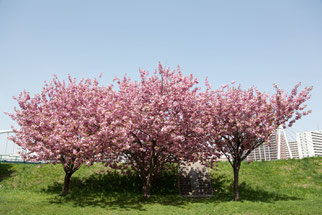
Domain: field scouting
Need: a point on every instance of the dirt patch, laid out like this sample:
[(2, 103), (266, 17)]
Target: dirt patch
[(287, 167), (304, 185)]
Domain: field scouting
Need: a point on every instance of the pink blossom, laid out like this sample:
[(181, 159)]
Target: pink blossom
[(242, 120), (57, 124)]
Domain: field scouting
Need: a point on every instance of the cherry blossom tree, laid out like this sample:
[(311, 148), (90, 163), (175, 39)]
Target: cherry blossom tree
[(242, 120), (161, 120), (66, 123)]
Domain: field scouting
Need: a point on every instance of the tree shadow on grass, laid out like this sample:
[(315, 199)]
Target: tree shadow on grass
[(115, 191), (6, 170), (223, 191)]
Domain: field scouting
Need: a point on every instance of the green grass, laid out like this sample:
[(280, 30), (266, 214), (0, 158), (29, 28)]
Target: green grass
[(271, 187)]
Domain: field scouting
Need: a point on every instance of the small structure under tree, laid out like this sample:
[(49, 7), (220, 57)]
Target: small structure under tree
[(161, 120)]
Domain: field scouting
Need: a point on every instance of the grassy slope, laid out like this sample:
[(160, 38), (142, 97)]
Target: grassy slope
[(274, 187)]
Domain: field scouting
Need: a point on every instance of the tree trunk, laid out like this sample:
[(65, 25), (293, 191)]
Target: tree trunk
[(236, 168), (68, 175), (146, 188)]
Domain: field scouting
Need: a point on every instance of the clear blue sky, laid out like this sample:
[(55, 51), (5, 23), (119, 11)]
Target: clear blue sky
[(252, 42)]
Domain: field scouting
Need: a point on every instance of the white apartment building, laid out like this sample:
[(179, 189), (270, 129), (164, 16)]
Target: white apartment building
[(269, 151), (310, 143), (294, 146), (278, 148), (307, 144)]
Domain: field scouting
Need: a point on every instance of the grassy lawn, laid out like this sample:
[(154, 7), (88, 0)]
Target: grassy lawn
[(271, 187)]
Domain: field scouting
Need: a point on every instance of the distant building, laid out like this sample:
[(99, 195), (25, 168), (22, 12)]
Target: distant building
[(9, 151), (271, 151), (310, 143), (222, 158), (294, 145), (307, 144)]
